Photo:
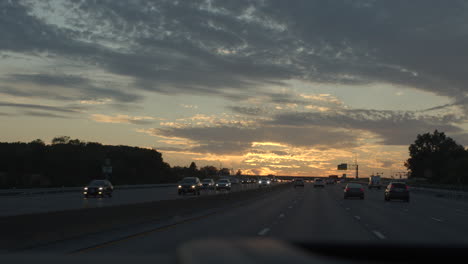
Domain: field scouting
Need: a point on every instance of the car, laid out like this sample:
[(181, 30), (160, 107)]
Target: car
[(223, 184), (319, 183), (397, 190), (189, 185), (244, 181), (98, 188), (298, 183), (330, 181), (353, 190), (208, 184), (264, 183)]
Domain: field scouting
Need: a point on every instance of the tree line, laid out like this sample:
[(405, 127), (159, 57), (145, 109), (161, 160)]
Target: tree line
[(72, 162), (436, 158)]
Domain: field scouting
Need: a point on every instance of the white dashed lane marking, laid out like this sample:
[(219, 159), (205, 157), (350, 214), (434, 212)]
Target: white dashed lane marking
[(378, 234), (281, 216), (357, 217), (264, 231), (437, 219)]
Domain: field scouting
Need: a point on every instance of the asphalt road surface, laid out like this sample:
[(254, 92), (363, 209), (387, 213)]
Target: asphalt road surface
[(40, 203), (302, 214)]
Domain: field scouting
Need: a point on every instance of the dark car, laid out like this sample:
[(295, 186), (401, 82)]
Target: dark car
[(354, 190), (245, 181), (208, 184), (397, 190), (98, 188), (189, 185), (298, 183), (223, 184)]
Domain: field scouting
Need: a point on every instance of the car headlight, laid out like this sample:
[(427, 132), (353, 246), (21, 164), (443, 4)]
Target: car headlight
[(180, 186), (259, 181), (217, 184), (193, 186), (85, 188), (100, 188), (268, 182)]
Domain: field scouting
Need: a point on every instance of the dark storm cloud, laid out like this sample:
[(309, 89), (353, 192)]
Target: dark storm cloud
[(394, 128), (253, 111), (227, 140), (58, 109), (196, 47), (63, 87), (44, 114), (231, 48)]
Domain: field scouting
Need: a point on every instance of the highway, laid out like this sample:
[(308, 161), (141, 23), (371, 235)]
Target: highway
[(302, 214), (41, 203)]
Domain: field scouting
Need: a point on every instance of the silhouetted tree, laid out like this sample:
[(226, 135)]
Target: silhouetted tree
[(437, 158), (224, 172), (60, 140), (239, 173), (193, 166), (69, 162)]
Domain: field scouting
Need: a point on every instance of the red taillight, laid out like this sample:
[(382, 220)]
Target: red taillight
[(347, 189), (362, 189), (407, 187)]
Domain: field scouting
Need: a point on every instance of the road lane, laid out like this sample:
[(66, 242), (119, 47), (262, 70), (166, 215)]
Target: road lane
[(17, 205), (301, 214)]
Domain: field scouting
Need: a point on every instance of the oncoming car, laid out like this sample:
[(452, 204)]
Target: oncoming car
[(208, 184), (98, 188), (223, 184), (189, 185), (264, 183)]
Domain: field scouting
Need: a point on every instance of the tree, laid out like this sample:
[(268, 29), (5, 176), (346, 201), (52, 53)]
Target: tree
[(37, 142), (433, 156), (193, 166), (60, 140), (209, 171), (224, 172), (239, 173)]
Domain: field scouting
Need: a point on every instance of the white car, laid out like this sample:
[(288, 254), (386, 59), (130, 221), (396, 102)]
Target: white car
[(319, 183)]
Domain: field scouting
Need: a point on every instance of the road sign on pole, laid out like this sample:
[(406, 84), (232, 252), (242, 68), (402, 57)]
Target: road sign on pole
[(343, 166)]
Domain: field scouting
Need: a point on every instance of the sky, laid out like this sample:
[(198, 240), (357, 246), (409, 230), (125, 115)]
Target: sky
[(268, 87)]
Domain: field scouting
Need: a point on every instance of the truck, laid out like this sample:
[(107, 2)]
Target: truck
[(374, 182)]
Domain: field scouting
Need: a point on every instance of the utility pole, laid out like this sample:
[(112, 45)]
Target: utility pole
[(357, 166)]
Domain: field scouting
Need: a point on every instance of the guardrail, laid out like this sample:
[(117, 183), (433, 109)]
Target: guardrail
[(39, 191), (452, 194)]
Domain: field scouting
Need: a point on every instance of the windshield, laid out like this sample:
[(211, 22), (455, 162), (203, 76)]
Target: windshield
[(188, 181), (286, 103), (97, 183)]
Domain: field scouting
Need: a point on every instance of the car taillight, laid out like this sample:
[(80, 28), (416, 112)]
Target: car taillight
[(362, 189), (407, 188), (347, 189)]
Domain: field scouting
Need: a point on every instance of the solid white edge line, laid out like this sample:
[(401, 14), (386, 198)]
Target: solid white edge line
[(264, 231), (378, 234)]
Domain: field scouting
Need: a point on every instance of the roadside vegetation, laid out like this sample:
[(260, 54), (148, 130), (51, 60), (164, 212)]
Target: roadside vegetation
[(71, 162)]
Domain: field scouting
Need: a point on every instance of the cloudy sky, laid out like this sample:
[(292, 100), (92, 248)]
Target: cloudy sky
[(283, 87)]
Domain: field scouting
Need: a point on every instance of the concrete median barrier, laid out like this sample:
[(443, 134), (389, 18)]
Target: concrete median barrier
[(43, 191), (26, 231)]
